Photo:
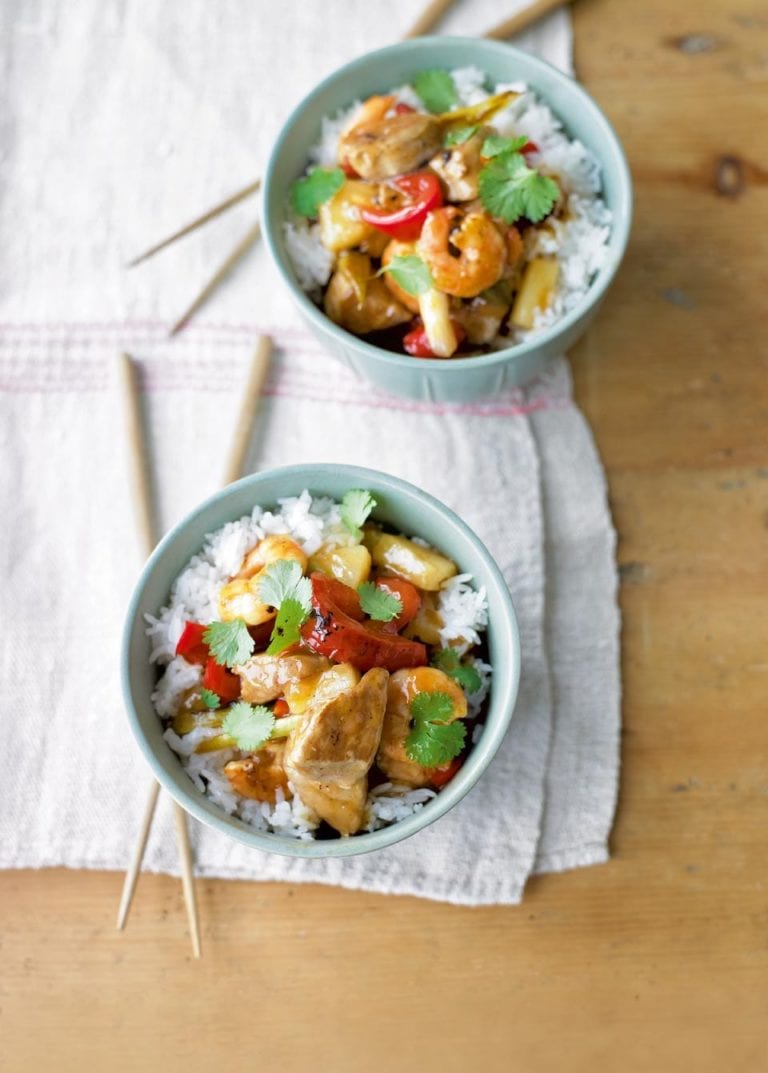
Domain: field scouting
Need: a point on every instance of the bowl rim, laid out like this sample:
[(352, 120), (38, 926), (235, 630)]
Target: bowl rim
[(456, 366), (483, 752)]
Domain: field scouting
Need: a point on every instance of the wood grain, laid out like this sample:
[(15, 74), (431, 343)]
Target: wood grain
[(658, 961)]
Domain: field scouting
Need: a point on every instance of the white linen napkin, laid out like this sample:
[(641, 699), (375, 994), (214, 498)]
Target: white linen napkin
[(95, 170)]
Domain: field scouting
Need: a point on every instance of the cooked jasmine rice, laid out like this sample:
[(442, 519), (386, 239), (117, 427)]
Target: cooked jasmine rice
[(311, 523), (579, 239)]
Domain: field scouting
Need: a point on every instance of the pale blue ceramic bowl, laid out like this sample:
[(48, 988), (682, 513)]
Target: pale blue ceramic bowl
[(407, 509), (459, 379)]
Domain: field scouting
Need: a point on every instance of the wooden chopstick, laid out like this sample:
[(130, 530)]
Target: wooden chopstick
[(229, 262), (248, 410), (523, 19), (132, 875), (147, 528), (211, 214), (431, 14)]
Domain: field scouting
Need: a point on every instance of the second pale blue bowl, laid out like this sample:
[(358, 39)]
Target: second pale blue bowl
[(457, 379), (408, 510)]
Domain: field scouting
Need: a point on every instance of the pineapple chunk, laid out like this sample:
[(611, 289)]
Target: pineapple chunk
[(350, 564), (423, 567), (435, 309), (341, 227), (320, 688), (536, 289)]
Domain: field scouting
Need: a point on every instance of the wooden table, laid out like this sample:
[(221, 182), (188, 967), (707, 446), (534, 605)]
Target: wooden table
[(659, 960)]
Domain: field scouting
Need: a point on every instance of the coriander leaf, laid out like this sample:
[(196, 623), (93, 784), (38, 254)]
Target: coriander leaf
[(495, 145), (436, 90), (229, 642), (458, 135), (410, 273), (283, 580), (209, 699), (432, 741), (250, 726), (355, 508), (510, 189), (378, 604), (468, 678), (435, 707), (447, 659), (286, 631), (309, 193)]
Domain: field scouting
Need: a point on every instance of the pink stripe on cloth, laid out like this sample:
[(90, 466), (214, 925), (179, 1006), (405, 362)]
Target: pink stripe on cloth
[(75, 357)]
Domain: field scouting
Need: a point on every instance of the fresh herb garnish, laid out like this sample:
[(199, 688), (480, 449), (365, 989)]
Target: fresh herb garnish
[(447, 659), (248, 725), (510, 189), (410, 273), (436, 89), (209, 699), (458, 135), (229, 642), (284, 580), (379, 604), (433, 741), (287, 629), (355, 508), (309, 193), (495, 145), (282, 585)]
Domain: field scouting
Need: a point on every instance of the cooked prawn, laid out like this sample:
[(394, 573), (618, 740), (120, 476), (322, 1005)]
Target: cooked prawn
[(480, 251), (271, 549), (402, 688)]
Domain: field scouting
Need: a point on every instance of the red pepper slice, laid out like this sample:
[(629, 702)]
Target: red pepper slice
[(343, 596), (416, 342), (335, 634), (401, 108), (280, 709), (191, 644), (221, 680), (408, 595), (422, 188), (439, 776), (530, 147)]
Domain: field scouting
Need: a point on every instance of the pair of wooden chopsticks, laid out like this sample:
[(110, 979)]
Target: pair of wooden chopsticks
[(426, 21), (146, 525)]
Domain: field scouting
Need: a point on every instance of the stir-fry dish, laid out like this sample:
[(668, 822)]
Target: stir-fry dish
[(442, 219), (323, 674)]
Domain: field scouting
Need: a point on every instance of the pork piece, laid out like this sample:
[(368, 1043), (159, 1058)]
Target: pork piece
[(264, 678), (337, 741), (382, 148), (260, 775), (342, 807), (403, 687)]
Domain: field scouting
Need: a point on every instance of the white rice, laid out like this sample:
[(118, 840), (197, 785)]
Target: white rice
[(389, 803), (580, 242), (194, 597)]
